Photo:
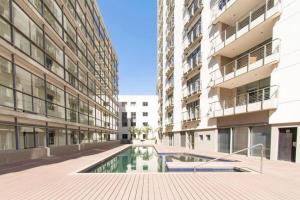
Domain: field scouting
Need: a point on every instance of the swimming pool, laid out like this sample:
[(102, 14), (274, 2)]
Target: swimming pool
[(143, 159)]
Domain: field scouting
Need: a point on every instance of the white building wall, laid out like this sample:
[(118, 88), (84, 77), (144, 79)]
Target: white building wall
[(151, 109)]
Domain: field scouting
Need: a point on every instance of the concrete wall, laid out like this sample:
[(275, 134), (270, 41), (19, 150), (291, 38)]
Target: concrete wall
[(14, 156), (205, 144)]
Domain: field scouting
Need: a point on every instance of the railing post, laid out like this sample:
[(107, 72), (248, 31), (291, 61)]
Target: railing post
[(263, 98), (265, 54), (262, 158)]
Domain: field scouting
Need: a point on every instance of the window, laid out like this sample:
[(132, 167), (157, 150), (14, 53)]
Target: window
[(145, 124), (201, 137), (124, 119), (208, 137), (133, 119), (5, 29), (7, 137), (55, 101), (123, 104), (4, 9), (145, 103), (72, 107), (57, 137), (6, 83), (132, 103), (84, 112), (145, 114)]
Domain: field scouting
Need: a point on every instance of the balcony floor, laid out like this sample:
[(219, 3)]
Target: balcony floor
[(57, 180)]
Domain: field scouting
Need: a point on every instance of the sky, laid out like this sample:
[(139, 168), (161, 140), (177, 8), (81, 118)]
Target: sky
[(131, 25)]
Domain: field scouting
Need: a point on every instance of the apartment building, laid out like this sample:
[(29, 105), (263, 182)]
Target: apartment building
[(231, 76), (138, 117), (58, 75)]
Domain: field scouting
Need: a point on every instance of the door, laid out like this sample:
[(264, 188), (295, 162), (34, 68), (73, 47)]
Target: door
[(287, 144), (182, 139), (191, 140)]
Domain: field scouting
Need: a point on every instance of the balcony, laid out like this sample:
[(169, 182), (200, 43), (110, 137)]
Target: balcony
[(169, 124), (191, 118), (225, 10), (258, 100), (169, 87), (169, 105), (255, 65), (192, 67), (170, 70), (192, 92), (170, 52), (247, 32), (192, 40), (191, 19)]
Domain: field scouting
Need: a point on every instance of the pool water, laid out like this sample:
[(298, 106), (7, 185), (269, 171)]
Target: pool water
[(145, 159), (131, 160)]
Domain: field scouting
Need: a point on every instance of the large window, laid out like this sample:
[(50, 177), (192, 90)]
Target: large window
[(7, 137), (133, 118), (4, 8), (30, 92), (57, 137), (124, 119), (224, 140), (240, 139), (261, 135), (72, 107), (55, 101), (6, 83), (5, 31)]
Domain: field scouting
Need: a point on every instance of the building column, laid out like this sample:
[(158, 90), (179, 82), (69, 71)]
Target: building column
[(274, 143), (298, 145), (249, 142), (230, 141)]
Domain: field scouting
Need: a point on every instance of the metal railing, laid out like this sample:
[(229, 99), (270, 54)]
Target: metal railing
[(192, 113), (246, 21), (258, 54), (192, 88), (262, 154), (245, 99)]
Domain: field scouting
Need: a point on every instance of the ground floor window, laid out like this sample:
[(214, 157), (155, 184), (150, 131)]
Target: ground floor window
[(7, 137), (240, 139), (57, 137), (224, 140), (261, 135), (124, 136)]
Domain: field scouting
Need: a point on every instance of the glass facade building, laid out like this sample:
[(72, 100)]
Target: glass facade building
[(58, 74)]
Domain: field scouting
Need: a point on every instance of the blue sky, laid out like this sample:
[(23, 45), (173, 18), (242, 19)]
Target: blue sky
[(132, 28)]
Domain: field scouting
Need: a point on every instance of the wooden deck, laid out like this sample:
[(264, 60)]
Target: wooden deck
[(57, 179)]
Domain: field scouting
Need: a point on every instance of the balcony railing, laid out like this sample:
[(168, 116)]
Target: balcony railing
[(257, 100), (169, 84), (192, 12), (259, 57), (245, 24), (169, 121), (191, 114), (194, 62), (169, 103), (191, 89)]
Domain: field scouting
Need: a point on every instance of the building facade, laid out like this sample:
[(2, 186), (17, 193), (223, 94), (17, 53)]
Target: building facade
[(138, 112), (229, 80), (58, 75)]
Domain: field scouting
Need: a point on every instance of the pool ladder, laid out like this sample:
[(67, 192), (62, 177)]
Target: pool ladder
[(262, 153)]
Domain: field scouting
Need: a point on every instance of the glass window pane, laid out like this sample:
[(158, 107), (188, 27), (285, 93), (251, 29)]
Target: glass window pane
[(5, 31), (6, 72), (4, 8), (261, 135), (73, 137), (53, 50), (36, 35), (240, 139), (23, 80), (38, 86), (6, 97), (22, 43), (40, 136), (37, 4), (26, 137), (57, 137), (224, 140), (37, 54), (21, 20), (7, 137)]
